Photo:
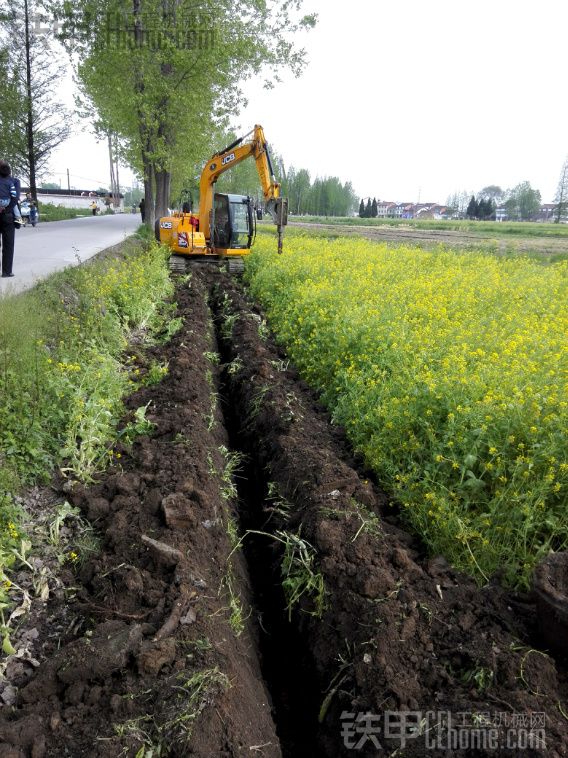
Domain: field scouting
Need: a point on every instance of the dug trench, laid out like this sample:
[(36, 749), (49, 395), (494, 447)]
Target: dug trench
[(255, 595)]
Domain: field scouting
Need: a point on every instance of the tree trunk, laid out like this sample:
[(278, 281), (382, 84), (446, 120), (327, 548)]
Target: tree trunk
[(562, 190), (149, 210), (111, 160), (29, 114), (163, 183), (116, 198)]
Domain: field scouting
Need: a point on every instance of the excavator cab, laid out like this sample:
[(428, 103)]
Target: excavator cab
[(233, 226)]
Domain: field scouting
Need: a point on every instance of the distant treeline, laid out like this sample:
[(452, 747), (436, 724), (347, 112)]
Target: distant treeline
[(323, 197), (326, 196)]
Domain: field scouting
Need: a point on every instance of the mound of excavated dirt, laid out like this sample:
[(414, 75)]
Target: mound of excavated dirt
[(179, 638), (158, 663)]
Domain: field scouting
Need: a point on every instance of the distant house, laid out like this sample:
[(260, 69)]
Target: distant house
[(409, 210), (547, 212), (384, 209), (432, 211)]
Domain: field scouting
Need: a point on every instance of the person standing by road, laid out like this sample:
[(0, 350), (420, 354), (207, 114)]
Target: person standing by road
[(142, 207), (11, 188)]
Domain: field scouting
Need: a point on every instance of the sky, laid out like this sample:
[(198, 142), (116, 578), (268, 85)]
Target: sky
[(410, 101)]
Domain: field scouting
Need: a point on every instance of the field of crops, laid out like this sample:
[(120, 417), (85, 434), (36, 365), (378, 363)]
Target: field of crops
[(448, 371), (510, 228)]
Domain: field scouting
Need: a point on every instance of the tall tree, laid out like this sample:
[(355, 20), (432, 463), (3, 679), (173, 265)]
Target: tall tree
[(458, 202), (561, 197), (362, 209), (374, 211), (483, 209), (492, 192), (523, 202), (35, 121), (473, 208), (368, 208), (299, 190), (165, 87)]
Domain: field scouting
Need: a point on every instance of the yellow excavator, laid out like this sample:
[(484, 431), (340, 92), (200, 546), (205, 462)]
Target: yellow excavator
[(225, 225)]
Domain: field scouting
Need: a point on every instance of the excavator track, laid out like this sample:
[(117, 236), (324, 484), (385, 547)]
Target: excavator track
[(179, 264), (182, 264), (235, 265)]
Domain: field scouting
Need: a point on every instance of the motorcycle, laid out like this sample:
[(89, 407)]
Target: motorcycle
[(25, 211), (30, 214)]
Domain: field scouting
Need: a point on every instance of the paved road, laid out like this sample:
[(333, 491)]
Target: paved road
[(55, 245)]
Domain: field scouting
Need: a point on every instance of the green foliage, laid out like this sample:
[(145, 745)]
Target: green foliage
[(49, 212), (156, 372), (61, 367), (481, 208), (34, 100), (473, 208), (447, 370), (523, 202), (326, 196), (236, 617), (139, 426), (166, 91), (299, 574)]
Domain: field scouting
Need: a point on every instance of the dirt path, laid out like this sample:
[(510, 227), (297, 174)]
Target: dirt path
[(185, 638)]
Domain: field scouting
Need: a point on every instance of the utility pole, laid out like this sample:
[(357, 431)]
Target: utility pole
[(68, 183)]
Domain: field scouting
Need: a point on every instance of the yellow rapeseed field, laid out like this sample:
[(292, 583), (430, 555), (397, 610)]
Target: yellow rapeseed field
[(449, 372)]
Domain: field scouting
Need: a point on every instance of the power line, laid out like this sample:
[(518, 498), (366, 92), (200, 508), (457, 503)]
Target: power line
[(100, 182), (76, 176)]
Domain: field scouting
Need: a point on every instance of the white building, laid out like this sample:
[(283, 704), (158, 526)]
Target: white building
[(76, 198)]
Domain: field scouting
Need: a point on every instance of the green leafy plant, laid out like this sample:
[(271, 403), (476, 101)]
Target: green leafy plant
[(156, 372), (233, 462), (298, 571), (139, 426), (195, 692)]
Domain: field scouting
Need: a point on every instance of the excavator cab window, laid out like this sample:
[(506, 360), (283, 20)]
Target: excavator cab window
[(241, 223), (222, 229), (233, 227)]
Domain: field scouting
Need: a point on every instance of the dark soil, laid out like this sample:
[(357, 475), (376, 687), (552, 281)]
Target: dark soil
[(154, 656)]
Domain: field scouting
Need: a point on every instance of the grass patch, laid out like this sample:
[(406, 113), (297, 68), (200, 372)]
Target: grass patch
[(48, 212), (492, 228), (195, 693), (63, 372)]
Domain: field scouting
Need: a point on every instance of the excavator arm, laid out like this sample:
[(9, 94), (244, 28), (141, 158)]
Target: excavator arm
[(235, 153)]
